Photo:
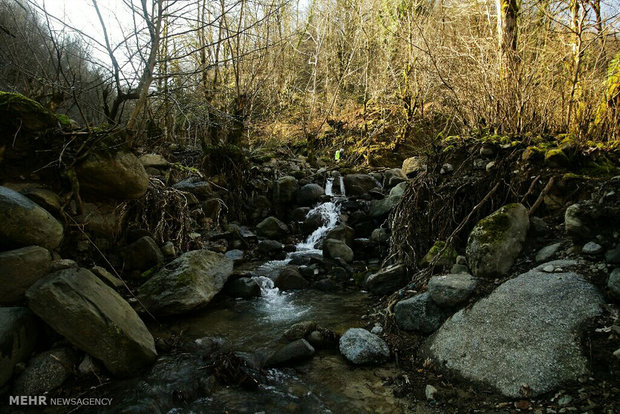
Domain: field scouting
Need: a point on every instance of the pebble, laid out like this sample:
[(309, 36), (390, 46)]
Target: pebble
[(565, 400), (430, 392), (548, 269), (592, 248), (377, 329)]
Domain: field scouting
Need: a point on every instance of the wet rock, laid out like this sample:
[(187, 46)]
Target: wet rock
[(358, 184), (24, 223), (414, 165), (285, 190), (19, 269), (295, 351), (289, 278), (107, 277), (388, 280), (379, 208), (187, 283), (309, 194), (341, 232), (235, 255), (142, 254), (120, 175), (272, 228), (525, 332), (201, 189), (154, 161), (613, 255), (362, 347), (244, 287), (300, 330), (592, 249), (548, 252), (497, 240), (326, 285), (312, 222), (419, 313), (46, 372), (300, 213), (452, 289), (334, 249), (613, 283), (18, 336), (93, 317)]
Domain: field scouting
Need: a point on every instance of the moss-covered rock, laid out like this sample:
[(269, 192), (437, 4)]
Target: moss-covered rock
[(556, 158), (187, 283), (496, 241), (447, 258), (21, 113)]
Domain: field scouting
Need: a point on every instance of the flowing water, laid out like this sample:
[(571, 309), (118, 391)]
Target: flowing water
[(325, 384)]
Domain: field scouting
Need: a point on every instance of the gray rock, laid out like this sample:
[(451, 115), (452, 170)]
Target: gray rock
[(101, 219), (312, 222), (19, 269), (334, 249), (309, 194), (62, 264), (88, 366), (187, 283), (399, 189), (120, 175), (289, 278), (613, 255), (18, 336), (107, 277), (382, 207), (446, 168), (201, 189), (244, 287), (592, 249), (24, 223), (235, 255), (341, 232), (430, 392), (388, 280), (300, 330), (94, 318), (272, 228), (525, 332), (154, 161), (574, 223), (362, 347), (295, 351), (300, 213), (461, 260), (451, 289), (168, 249), (358, 184), (380, 235), (497, 240), (142, 254), (539, 226), (270, 247), (413, 165), (46, 372), (285, 190), (548, 252), (459, 268), (419, 313), (613, 283)]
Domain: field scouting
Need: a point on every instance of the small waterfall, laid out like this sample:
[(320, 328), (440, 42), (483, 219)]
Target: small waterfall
[(329, 213), (343, 193), (329, 187)]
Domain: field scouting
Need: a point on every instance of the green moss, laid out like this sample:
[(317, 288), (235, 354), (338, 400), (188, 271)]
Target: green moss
[(492, 228), (556, 158), (16, 110), (447, 257), (186, 279), (604, 167), (64, 121)]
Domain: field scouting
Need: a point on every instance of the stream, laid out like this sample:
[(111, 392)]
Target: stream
[(325, 384)]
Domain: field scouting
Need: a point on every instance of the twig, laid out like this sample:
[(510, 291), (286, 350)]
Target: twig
[(541, 196)]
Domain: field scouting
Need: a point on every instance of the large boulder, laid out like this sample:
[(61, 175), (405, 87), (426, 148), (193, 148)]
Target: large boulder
[(362, 347), (24, 114), (335, 249), (272, 228), (497, 240), (94, 318), (341, 232), (243, 287), (419, 313), (18, 337), (120, 175), (285, 189), (187, 283), (289, 278), (24, 223), (388, 280), (19, 269), (527, 331), (295, 351), (309, 194), (358, 184)]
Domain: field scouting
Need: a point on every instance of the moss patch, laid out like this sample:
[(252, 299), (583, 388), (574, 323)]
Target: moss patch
[(447, 257), (22, 113)]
